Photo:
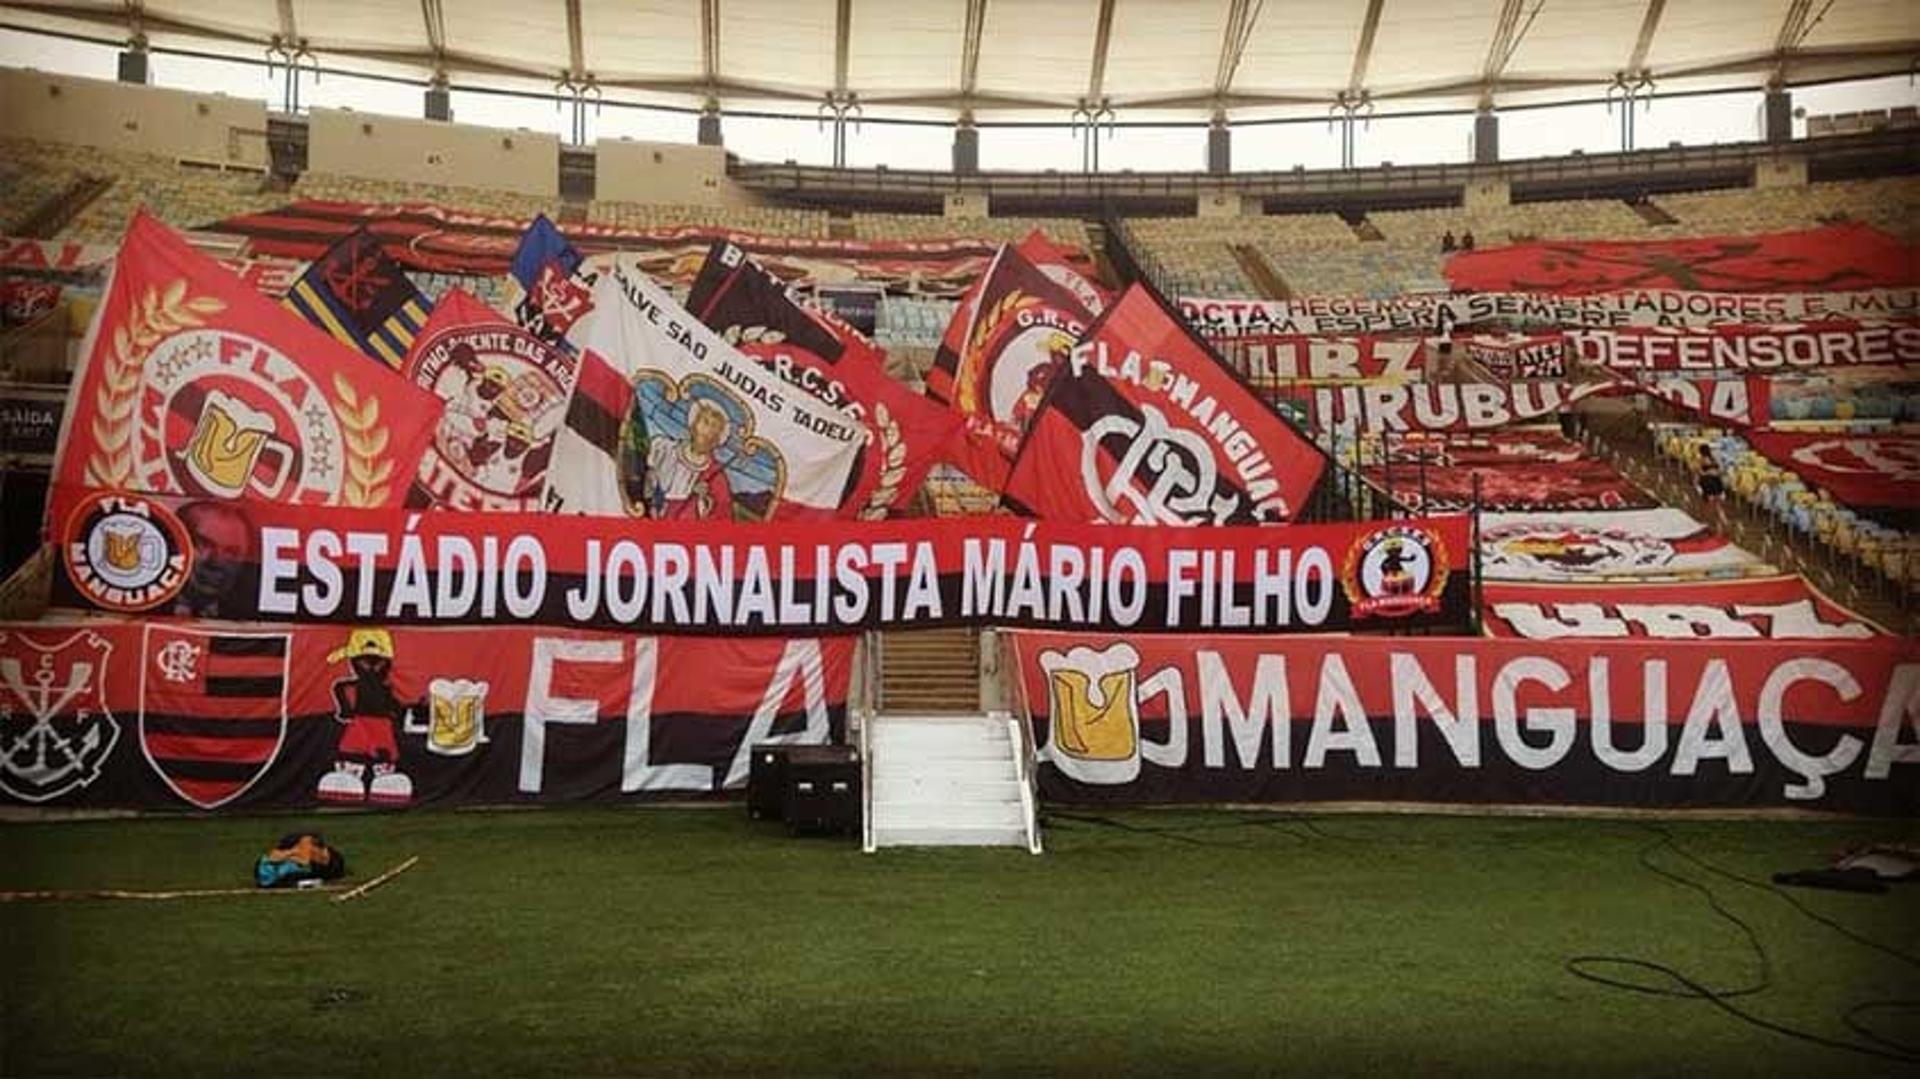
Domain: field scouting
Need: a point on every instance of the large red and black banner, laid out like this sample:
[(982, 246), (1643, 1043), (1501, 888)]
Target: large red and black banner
[(1503, 470), (1440, 312), (1146, 425), (1826, 259), (269, 562), (1483, 406), (1829, 725), (191, 383), (828, 360), (1858, 470), (206, 715), (437, 239), (1006, 342), (1754, 608), (1748, 348)]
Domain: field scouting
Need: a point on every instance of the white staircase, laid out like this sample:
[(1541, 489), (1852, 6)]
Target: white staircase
[(947, 781)]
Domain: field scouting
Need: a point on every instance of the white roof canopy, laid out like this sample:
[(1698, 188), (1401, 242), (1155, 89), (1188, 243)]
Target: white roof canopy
[(1002, 59)]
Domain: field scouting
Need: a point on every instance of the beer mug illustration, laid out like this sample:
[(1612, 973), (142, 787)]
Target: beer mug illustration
[(1094, 699), (459, 719), (229, 444), (129, 550)]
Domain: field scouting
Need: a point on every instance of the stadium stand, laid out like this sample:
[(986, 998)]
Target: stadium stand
[(1193, 255), (476, 199), (1891, 204), (877, 226), (182, 194), (763, 220)]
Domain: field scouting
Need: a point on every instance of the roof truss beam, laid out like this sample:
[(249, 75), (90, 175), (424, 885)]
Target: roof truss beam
[(1363, 52), (1241, 17), (1649, 25), (970, 49), (1102, 38), (576, 46), (1508, 33), (288, 31), (842, 33)]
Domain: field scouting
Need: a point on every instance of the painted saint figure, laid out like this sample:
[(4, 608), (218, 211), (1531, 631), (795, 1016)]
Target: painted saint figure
[(686, 478)]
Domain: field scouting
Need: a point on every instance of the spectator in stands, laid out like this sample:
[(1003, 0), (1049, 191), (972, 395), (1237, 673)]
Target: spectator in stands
[(1466, 240), (1713, 487), (1446, 242)]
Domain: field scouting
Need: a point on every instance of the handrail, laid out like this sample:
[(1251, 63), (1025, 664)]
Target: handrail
[(1025, 768), (869, 693)]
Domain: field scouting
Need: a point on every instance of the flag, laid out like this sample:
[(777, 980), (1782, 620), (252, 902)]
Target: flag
[(362, 298), (1006, 340), (1053, 261), (828, 360), (191, 383), (1145, 425), (548, 295), (669, 421), (506, 392)]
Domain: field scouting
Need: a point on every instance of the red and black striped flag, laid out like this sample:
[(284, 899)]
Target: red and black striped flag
[(213, 709)]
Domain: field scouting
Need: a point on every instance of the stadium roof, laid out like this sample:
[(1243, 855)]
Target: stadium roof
[(1004, 59)]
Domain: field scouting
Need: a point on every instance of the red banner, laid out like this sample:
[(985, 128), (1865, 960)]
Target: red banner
[(1515, 470), (1004, 345), (203, 716), (270, 562), (1508, 357), (829, 361), (1858, 470), (1272, 359), (1832, 258), (192, 383), (1656, 724), (1067, 271), (1145, 425), (1752, 608), (434, 238), (1747, 348), (1484, 406)]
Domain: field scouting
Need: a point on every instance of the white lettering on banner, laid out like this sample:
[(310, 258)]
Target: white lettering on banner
[(800, 661), (1436, 312), (323, 574), (1235, 721), (1747, 350), (1329, 358)]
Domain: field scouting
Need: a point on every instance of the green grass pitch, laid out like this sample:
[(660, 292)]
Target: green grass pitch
[(1184, 942)]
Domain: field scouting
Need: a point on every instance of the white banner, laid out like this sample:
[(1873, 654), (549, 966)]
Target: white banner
[(1663, 542), (707, 433), (1439, 312)]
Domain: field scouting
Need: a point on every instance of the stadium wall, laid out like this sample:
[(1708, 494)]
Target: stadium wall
[(348, 143), (129, 118), (666, 173)]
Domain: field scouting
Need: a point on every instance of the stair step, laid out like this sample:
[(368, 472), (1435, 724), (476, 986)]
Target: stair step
[(898, 815), (930, 739), (943, 788), (949, 836)]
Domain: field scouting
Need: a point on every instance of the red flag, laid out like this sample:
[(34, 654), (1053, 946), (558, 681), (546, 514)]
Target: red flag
[(191, 383), (1060, 268), (506, 393), (1006, 341), (1145, 425)]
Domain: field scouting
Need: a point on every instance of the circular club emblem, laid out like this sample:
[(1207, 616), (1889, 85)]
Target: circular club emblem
[(126, 553), (1394, 572), (506, 393), (224, 415)]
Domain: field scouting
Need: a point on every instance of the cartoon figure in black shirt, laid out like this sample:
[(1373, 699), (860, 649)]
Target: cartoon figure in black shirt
[(367, 763)]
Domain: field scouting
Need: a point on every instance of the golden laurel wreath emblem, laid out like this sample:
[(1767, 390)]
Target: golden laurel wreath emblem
[(367, 475), (966, 379), (155, 317), (893, 467)]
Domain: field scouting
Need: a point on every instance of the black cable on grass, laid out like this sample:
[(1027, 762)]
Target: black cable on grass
[(1580, 966)]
